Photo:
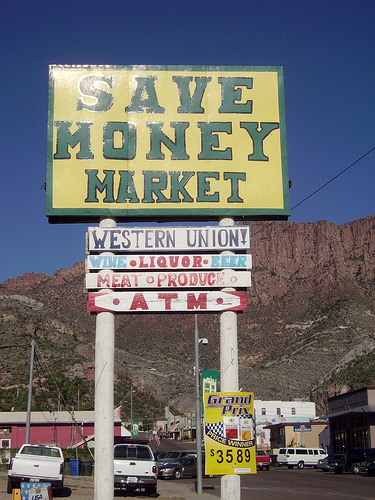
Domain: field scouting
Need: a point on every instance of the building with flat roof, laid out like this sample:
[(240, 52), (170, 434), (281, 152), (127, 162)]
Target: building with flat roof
[(296, 434), (63, 428), (352, 420), (276, 412)]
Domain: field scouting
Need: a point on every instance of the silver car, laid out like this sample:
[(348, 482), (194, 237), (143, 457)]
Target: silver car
[(324, 465), (177, 469)]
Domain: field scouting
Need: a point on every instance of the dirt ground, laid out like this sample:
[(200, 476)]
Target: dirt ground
[(82, 488)]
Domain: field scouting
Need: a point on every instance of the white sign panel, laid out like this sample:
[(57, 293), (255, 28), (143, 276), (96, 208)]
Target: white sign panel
[(165, 279), (159, 239), (168, 262), (167, 301)]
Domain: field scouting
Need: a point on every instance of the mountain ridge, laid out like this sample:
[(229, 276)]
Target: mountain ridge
[(307, 279)]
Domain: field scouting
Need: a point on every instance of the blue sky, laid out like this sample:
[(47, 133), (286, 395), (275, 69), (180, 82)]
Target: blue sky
[(325, 47)]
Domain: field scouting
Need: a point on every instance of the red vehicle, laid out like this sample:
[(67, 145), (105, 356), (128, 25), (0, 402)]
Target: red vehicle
[(263, 460)]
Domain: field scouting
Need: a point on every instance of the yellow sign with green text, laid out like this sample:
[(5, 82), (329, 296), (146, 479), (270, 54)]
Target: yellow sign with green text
[(166, 142), (230, 433)]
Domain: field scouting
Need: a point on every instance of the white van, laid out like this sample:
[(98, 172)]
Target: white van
[(300, 457)]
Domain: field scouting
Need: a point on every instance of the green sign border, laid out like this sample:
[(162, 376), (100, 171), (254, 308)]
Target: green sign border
[(64, 215)]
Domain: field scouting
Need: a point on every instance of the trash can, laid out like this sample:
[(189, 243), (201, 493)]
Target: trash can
[(86, 466), (74, 466)]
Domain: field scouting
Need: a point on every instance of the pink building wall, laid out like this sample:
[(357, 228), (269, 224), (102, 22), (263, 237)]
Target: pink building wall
[(65, 434)]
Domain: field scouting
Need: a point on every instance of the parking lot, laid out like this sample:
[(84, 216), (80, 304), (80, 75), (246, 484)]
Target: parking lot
[(305, 484), (278, 482)]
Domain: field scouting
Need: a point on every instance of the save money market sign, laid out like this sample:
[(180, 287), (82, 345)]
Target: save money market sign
[(229, 433), (166, 142)]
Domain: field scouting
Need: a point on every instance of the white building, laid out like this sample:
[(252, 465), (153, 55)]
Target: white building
[(274, 412)]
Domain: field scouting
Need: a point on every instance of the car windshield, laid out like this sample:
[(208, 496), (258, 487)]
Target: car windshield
[(173, 462), (41, 451), (137, 452)]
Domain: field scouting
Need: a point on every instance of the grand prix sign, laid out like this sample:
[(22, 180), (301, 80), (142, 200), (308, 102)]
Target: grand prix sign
[(229, 433), (166, 142)]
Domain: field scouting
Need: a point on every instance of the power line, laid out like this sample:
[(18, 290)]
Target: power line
[(333, 178), (321, 187)]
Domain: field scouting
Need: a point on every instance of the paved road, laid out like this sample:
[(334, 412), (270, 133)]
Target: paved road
[(307, 484)]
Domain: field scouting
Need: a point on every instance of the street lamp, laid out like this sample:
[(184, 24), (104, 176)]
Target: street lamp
[(198, 406), (131, 408), (346, 327)]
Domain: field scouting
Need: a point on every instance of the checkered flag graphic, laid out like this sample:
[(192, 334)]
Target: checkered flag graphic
[(217, 428)]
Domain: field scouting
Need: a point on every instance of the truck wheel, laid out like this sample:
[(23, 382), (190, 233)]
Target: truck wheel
[(267, 467), (177, 474), (9, 486), (355, 469), (300, 465), (150, 490)]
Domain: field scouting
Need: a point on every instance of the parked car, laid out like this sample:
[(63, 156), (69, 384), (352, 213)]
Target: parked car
[(263, 460), (300, 457), (324, 465), (353, 461), (157, 454), (168, 456), (179, 468), (370, 463), (35, 463), (135, 468)]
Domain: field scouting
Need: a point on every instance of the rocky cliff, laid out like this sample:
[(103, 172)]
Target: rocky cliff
[(306, 280)]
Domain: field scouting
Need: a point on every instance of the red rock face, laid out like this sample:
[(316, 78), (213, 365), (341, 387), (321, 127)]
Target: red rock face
[(295, 264), (288, 337)]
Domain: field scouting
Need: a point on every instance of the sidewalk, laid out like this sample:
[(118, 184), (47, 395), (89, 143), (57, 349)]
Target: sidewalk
[(176, 490), (82, 488)]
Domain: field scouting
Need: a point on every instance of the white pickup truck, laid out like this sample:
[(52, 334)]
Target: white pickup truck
[(35, 463), (135, 467)]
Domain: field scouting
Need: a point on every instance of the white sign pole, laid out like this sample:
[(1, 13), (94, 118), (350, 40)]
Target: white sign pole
[(198, 410), (104, 387), (230, 484)]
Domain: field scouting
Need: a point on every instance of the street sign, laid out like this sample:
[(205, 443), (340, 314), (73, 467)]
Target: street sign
[(135, 429), (209, 383), (167, 262), (302, 427), (165, 279), (164, 239), (158, 301), (230, 433)]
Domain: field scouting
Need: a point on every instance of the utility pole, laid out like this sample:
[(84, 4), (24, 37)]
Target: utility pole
[(104, 384), (230, 483), (30, 393), (198, 406)]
